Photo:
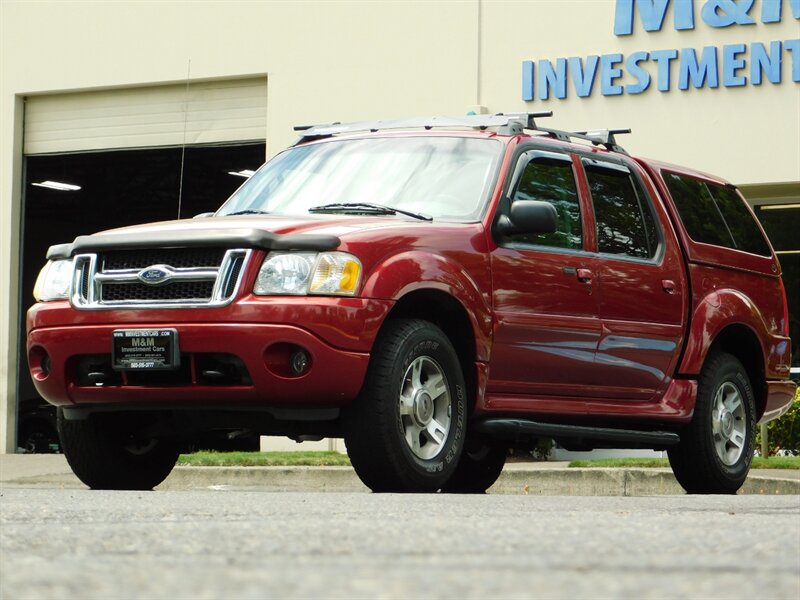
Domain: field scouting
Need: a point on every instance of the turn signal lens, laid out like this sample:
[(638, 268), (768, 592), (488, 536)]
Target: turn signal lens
[(335, 273), (350, 275)]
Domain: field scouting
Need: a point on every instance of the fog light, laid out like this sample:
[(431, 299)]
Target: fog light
[(299, 362)]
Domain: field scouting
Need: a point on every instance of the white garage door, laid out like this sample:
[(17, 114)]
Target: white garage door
[(144, 117)]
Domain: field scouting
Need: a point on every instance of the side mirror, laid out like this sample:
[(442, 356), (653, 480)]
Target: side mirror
[(529, 216), (203, 215)]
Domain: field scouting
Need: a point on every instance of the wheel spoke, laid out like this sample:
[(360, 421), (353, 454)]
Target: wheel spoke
[(734, 402), (435, 386), (719, 400), (715, 424), (721, 445), (737, 439), (406, 405), (412, 437), (416, 374), (436, 432)]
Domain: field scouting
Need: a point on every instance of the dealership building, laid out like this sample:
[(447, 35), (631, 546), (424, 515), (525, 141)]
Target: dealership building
[(127, 112)]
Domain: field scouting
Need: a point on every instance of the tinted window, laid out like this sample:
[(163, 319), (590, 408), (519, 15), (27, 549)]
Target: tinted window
[(625, 222), (716, 215), (552, 181), (698, 210), (746, 234)]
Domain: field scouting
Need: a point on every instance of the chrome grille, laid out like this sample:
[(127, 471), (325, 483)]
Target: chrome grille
[(158, 278)]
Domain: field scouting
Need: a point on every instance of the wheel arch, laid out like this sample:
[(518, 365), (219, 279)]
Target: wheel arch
[(742, 342), (727, 320), (451, 316), (445, 290)]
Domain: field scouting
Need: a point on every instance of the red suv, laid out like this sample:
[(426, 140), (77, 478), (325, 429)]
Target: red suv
[(435, 291)]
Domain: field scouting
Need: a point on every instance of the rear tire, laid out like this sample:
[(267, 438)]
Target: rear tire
[(480, 466), (405, 431), (716, 448), (105, 455)]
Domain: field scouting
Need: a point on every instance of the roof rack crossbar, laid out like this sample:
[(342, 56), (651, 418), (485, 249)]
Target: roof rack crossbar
[(518, 122), (605, 137)]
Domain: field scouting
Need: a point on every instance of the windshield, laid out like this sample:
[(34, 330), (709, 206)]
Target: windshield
[(441, 177)]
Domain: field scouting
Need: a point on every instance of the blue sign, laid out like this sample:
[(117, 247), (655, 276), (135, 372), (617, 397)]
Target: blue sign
[(732, 65)]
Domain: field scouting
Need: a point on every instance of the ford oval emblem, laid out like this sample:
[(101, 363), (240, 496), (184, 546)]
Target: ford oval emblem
[(155, 275)]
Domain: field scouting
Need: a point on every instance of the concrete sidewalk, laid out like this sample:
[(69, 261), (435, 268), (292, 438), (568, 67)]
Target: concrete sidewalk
[(536, 478)]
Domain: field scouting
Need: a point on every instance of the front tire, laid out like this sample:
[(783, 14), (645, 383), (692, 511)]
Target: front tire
[(716, 449), (106, 455), (405, 431)]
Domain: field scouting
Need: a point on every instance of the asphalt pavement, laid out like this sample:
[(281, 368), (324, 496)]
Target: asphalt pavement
[(62, 544), (530, 478)]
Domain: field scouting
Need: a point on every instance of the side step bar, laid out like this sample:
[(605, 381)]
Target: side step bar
[(518, 429)]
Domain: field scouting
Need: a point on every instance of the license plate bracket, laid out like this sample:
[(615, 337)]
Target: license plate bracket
[(145, 349)]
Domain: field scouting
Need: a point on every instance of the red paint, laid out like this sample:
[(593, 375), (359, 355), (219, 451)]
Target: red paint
[(322, 385), (561, 334)]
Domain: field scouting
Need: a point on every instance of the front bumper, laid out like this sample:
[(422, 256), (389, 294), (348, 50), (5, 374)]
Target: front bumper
[(62, 341), (333, 378)]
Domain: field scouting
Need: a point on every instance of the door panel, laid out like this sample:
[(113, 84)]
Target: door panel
[(641, 284), (546, 326), (546, 329)]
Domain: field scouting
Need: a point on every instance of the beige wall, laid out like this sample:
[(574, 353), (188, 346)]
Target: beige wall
[(748, 135), (325, 60), (355, 60), (360, 60)]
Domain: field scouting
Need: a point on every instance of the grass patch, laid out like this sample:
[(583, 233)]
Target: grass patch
[(776, 462), (263, 459), (613, 463), (773, 462)]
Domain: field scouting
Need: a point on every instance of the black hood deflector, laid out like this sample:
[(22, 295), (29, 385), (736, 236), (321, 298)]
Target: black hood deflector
[(216, 238)]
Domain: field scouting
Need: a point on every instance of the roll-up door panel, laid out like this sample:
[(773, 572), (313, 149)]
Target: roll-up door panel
[(213, 112)]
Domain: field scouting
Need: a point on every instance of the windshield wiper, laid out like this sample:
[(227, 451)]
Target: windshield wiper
[(366, 208), (247, 211)]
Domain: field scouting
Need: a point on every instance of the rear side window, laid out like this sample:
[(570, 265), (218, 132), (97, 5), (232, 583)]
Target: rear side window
[(625, 222), (713, 214)]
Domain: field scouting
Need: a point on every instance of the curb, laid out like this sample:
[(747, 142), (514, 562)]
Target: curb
[(619, 482), (548, 482)]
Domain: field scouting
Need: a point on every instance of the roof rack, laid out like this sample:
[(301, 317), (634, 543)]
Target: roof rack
[(507, 124)]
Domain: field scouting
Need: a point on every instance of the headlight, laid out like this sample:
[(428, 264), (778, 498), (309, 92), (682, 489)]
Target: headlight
[(53, 281), (300, 273)]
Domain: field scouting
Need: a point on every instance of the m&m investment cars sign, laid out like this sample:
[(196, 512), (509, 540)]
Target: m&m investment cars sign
[(730, 65)]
